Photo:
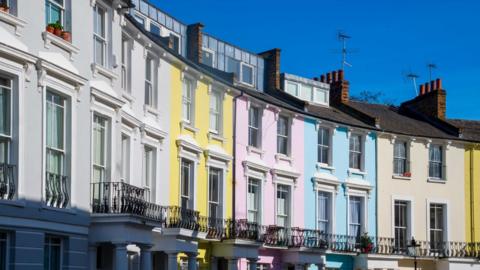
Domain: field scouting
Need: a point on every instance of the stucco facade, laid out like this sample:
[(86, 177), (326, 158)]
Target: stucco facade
[(472, 195)]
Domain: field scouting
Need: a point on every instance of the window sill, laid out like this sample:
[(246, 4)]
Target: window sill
[(401, 177), (255, 150), (61, 210), (13, 202), (97, 69), (212, 135), (127, 96), (436, 180), (50, 38), (184, 125), (283, 157), (325, 166), (150, 109), (351, 171), (12, 20)]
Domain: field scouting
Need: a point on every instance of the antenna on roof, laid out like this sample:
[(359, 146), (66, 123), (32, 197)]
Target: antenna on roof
[(431, 66), (343, 37), (413, 77)]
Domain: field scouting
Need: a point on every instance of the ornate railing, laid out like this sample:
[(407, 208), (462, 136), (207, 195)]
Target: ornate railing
[(7, 182), (57, 193)]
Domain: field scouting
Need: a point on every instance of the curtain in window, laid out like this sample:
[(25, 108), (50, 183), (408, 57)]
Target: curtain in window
[(186, 182), (214, 112), (436, 161), (4, 120), (253, 200), (355, 216), (55, 133), (99, 136), (400, 156)]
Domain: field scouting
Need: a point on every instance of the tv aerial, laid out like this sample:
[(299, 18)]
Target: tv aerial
[(411, 76), (344, 51), (431, 66)]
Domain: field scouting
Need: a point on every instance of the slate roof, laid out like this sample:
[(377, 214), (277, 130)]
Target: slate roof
[(470, 129), (392, 119)]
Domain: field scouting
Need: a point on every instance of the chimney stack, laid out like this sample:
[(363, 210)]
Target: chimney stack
[(272, 68), (431, 101), (194, 42), (339, 87)]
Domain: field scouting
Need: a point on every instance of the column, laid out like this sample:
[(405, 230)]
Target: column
[(92, 257), (192, 260), (172, 263), (146, 257), (121, 256), (213, 263), (253, 263), (232, 263)]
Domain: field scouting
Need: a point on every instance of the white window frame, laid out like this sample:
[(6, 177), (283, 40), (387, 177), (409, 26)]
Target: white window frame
[(107, 132), (125, 156), (211, 52), (221, 192), (362, 152), (97, 36), (152, 83), (331, 209), (258, 211), (302, 89), (148, 182), (364, 209), (9, 137), (62, 11), (171, 33), (191, 187), (408, 222), (289, 215), (446, 217), (241, 74), (218, 114), (327, 95), (410, 214), (189, 102), (126, 60), (329, 146), (406, 158), (288, 136), (150, 23), (443, 163), (298, 85), (258, 129)]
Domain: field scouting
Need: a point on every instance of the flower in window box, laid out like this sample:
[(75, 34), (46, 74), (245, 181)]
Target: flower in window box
[(407, 174), (4, 7), (67, 36), (366, 244)]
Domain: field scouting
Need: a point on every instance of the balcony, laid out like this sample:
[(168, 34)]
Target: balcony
[(7, 182), (56, 190)]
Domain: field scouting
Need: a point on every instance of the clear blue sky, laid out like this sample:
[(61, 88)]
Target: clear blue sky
[(391, 38)]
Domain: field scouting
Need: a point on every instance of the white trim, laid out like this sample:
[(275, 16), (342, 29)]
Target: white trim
[(410, 214), (332, 214), (240, 74), (446, 217), (50, 38), (13, 20), (364, 196), (291, 200)]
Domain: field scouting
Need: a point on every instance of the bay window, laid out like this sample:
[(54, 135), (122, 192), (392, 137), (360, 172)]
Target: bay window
[(215, 191), (57, 193), (254, 122), (186, 179), (100, 35), (283, 206), (435, 168), (253, 200), (52, 258), (324, 201), (283, 139), (400, 158), (323, 146), (355, 216), (356, 151), (215, 112), (99, 148)]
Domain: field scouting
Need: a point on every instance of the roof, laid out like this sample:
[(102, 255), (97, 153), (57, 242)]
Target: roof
[(470, 128), (393, 120)]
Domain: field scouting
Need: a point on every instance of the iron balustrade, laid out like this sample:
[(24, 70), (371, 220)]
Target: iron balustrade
[(7, 182), (118, 198), (57, 191)]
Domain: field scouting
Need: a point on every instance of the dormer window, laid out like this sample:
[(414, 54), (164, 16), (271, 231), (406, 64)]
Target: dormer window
[(292, 89), (155, 29), (321, 96), (175, 42), (208, 57), (246, 74), (307, 92)]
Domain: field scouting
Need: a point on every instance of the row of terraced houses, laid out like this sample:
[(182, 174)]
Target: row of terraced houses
[(130, 140)]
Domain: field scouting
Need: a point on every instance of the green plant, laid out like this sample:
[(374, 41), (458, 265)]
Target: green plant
[(57, 25), (366, 244)]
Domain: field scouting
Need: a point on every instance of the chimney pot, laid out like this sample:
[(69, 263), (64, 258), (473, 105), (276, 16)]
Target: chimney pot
[(427, 88), (329, 77), (334, 76), (422, 89), (432, 86), (439, 84), (322, 78), (340, 74)]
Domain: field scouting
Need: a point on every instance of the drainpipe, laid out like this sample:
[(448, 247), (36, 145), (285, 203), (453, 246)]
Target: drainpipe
[(472, 198), (234, 161)]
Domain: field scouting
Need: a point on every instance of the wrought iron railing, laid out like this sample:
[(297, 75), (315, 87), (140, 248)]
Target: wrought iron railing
[(57, 193), (7, 182), (118, 198)]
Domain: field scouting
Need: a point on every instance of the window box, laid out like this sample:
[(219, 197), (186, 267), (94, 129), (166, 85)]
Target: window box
[(407, 174), (50, 38)]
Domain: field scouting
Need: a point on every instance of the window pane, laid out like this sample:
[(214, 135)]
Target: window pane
[(320, 95), (247, 74), (4, 110), (307, 92), (154, 29), (208, 58), (292, 88)]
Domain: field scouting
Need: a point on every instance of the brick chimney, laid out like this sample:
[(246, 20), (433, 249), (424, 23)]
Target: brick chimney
[(431, 101), (339, 87), (194, 42), (272, 68)]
